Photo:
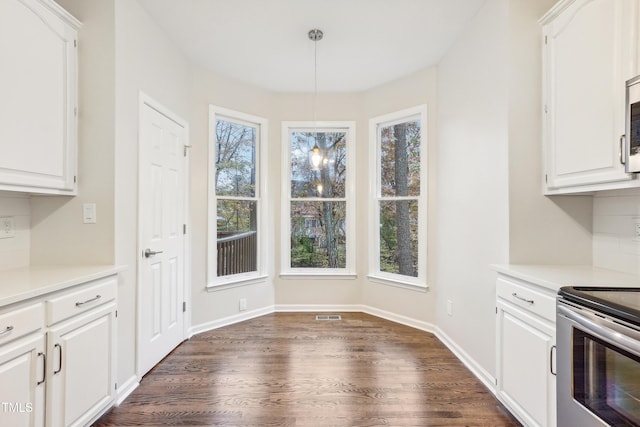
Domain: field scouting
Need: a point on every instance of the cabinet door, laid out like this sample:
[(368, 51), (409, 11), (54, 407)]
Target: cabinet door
[(22, 382), (81, 367), (525, 382), (590, 51), (38, 102)]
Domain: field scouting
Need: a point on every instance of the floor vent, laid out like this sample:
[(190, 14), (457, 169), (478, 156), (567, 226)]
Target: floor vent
[(328, 317)]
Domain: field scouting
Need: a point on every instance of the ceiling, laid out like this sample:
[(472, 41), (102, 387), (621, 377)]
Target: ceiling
[(265, 43)]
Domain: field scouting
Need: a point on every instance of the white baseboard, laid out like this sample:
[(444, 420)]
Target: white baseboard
[(397, 318), (125, 389), (230, 320), (292, 308), (487, 379)]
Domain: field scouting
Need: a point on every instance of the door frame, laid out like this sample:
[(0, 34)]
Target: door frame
[(146, 100)]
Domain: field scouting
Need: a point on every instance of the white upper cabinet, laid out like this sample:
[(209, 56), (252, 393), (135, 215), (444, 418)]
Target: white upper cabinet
[(590, 50), (38, 107)]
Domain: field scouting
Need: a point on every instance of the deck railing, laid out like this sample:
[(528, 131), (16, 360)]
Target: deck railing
[(236, 253)]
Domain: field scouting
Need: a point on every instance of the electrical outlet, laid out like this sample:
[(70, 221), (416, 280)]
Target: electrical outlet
[(7, 228), (449, 307), (243, 304)]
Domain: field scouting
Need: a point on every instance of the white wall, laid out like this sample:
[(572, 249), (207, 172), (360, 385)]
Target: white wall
[(15, 251), (409, 91), (206, 88), (616, 244), (145, 60), (472, 181), (542, 230), (329, 107), (59, 218)]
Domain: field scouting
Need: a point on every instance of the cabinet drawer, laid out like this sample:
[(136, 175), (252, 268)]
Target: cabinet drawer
[(20, 322), (528, 298), (71, 303)]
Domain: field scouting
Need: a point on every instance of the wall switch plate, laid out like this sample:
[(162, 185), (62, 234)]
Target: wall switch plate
[(243, 304), (89, 213), (7, 227)]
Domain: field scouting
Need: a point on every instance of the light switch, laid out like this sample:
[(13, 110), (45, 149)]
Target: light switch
[(89, 213)]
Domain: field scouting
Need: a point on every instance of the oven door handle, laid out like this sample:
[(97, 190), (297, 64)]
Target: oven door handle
[(608, 334)]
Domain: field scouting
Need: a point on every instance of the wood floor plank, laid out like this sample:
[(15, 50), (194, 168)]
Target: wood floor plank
[(288, 369)]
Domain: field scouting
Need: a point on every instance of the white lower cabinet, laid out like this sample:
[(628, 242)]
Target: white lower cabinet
[(526, 351), (57, 357), (81, 383), (22, 382)]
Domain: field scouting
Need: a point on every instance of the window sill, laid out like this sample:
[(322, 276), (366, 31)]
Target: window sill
[(221, 286), (398, 283), (294, 275)]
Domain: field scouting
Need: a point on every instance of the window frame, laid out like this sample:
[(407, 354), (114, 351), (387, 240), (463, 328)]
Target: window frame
[(349, 271), (375, 126), (215, 282)]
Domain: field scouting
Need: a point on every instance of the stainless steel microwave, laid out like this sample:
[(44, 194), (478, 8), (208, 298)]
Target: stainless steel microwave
[(632, 123)]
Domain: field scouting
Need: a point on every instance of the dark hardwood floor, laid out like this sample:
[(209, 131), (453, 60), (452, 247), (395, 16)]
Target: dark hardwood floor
[(288, 369)]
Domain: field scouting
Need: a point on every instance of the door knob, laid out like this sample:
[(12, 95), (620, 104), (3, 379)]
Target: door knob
[(148, 252)]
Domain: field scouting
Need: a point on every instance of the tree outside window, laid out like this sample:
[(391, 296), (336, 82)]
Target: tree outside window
[(400, 197), (318, 200), (235, 199)]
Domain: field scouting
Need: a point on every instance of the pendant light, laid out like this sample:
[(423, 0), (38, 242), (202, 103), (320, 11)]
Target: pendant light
[(315, 158)]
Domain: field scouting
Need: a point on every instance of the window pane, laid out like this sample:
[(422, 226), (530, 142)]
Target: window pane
[(235, 159), (318, 235), (236, 242), (399, 237), (400, 159), (328, 179)]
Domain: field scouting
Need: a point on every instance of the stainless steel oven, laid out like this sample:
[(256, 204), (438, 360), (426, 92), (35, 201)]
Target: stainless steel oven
[(598, 357)]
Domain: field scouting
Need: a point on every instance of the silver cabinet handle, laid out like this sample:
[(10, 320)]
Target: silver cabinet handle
[(623, 148), (148, 252), (6, 330), (551, 352), (529, 301), (80, 304), (57, 371), (44, 367)]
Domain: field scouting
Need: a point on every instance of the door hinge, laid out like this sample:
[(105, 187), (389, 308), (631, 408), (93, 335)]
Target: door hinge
[(184, 228), (115, 386), (116, 313), (75, 111), (546, 110), (496, 310), (186, 147), (545, 40), (184, 306), (546, 178), (75, 179), (75, 43)]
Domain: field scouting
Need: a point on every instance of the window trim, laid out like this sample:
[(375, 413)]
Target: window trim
[(375, 274), (260, 197), (309, 273)]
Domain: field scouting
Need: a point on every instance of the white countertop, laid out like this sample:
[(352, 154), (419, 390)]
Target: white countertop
[(554, 277), (29, 282)]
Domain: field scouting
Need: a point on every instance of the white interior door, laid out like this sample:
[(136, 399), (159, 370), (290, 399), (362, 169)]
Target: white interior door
[(162, 200)]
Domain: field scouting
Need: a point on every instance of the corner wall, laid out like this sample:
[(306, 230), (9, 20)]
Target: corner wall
[(145, 60), (472, 182)]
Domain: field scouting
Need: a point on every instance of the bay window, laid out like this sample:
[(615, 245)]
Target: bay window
[(318, 193), (399, 198)]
